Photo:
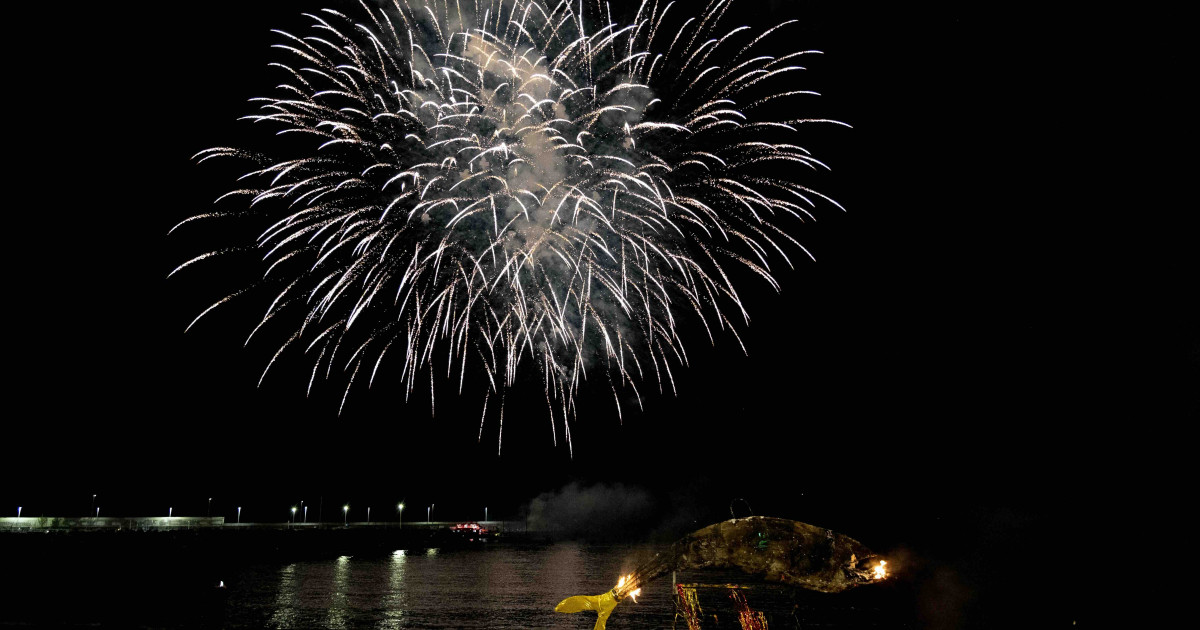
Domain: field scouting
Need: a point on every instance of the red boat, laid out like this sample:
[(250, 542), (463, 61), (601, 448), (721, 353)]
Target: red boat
[(472, 531)]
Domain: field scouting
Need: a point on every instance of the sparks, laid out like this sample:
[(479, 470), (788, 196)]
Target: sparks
[(627, 588), (519, 186)]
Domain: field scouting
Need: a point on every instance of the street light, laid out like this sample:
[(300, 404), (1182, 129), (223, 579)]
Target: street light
[(400, 509), (428, 511), (93, 501), (293, 515), (485, 513), (306, 514), (345, 515), (368, 515), (169, 511), (209, 507), (18, 511), (239, 515), (97, 512)]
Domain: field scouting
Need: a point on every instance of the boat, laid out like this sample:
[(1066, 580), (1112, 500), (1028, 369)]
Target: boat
[(473, 532)]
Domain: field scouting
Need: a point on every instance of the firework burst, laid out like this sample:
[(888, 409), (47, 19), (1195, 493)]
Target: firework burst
[(498, 186)]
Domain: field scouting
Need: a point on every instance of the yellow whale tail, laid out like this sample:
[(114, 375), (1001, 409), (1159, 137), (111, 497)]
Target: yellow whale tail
[(602, 604)]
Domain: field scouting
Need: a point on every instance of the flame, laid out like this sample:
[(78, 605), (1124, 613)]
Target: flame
[(881, 572), (633, 594)]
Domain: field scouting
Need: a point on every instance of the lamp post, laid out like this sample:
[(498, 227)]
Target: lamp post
[(93, 502), (400, 509), (293, 515), (428, 513), (306, 514), (170, 510), (368, 515), (209, 507), (485, 514), (18, 511), (239, 515), (97, 512), (345, 515)]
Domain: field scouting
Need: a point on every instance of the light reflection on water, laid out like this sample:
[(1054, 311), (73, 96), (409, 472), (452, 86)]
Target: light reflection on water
[(497, 586), (505, 586), (286, 601), (396, 602), (339, 603)]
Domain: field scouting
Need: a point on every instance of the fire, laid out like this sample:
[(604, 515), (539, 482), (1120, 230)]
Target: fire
[(633, 594), (881, 572)]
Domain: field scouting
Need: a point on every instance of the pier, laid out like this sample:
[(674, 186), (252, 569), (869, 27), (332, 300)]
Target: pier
[(204, 539), (172, 523)]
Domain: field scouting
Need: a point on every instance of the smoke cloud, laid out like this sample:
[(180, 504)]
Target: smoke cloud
[(596, 511)]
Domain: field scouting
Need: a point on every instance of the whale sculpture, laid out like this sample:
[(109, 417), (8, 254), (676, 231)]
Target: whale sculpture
[(771, 549)]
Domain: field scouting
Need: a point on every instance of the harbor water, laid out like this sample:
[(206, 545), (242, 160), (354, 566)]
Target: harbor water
[(495, 585)]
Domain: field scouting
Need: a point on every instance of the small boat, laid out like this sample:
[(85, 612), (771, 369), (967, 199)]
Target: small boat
[(472, 532)]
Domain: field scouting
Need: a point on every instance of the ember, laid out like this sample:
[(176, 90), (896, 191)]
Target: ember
[(622, 589)]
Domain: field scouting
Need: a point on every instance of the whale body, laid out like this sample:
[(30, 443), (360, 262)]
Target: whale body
[(772, 549)]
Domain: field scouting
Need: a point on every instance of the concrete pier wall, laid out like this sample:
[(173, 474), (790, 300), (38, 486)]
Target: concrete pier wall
[(110, 522), (33, 523)]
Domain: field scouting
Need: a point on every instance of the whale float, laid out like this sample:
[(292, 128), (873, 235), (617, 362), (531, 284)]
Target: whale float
[(771, 549)]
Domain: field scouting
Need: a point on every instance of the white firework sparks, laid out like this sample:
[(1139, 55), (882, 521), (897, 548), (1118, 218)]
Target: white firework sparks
[(514, 185)]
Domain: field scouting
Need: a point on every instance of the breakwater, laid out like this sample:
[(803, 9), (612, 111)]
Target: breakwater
[(188, 537), (147, 523), (227, 544)]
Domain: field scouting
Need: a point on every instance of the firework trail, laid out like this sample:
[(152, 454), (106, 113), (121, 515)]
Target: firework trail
[(512, 185)]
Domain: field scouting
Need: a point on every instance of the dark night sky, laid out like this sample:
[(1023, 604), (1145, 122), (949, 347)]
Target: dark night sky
[(940, 358), (934, 338)]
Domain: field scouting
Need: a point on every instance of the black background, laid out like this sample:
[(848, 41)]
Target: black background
[(934, 380)]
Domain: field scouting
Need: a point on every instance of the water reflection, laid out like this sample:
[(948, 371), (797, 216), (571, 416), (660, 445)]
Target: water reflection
[(286, 600), (498, 587), (395, 603), (339, 601), (494, 587)]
